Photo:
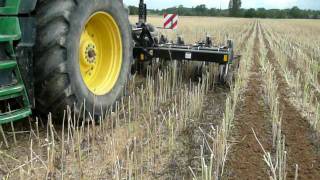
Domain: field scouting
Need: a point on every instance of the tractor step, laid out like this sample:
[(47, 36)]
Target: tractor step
[(14, 115), (12, 92), (12, 31), (9, 7), (7, 64), (9, 92)]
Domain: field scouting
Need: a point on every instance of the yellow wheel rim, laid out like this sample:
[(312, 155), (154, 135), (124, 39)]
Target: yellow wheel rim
[(100, 54)]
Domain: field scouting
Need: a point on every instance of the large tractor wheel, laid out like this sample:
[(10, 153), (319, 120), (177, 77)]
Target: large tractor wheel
[(83, 54)]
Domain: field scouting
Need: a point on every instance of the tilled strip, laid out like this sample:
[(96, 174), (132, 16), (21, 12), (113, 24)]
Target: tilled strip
[(296, 129), (246, 157)]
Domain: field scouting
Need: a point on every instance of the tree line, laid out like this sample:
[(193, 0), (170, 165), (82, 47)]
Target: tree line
[(234, 10)]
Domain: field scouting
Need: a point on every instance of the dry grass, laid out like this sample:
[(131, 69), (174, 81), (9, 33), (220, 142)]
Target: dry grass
[(296, 46), (276, 161), (160, 131), (143, 136), (193, 29)]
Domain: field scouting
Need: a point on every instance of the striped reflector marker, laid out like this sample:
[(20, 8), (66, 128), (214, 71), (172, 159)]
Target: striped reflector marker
[(170, 21)]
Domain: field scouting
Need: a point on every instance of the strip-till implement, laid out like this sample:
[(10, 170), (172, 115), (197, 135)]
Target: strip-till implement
[(149, 46)]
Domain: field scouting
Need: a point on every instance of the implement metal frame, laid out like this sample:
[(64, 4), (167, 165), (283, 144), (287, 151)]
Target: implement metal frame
[(148, 47)]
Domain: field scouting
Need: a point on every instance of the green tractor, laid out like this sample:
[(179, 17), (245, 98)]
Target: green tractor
[(59, 53), (76, 53)]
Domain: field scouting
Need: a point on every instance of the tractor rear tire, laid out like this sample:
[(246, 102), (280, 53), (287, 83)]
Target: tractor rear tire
[(59, 82)]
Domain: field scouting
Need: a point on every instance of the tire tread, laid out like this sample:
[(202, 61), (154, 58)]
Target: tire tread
[(52, 82)]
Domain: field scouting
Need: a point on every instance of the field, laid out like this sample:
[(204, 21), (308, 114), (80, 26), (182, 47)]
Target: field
[(171, 125)]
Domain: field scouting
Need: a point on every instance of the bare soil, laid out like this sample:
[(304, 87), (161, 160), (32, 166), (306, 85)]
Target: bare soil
[(187, 154), (246, 157), (191, 138), (298, 134), (245, 160)]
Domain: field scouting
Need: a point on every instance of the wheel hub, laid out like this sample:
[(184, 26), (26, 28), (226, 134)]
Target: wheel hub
[(91, 54)]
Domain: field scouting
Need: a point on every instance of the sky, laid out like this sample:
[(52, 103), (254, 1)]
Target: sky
[(268, 4)]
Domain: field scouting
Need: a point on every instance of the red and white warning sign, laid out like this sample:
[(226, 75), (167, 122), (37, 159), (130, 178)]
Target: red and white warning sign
[(170, 21)]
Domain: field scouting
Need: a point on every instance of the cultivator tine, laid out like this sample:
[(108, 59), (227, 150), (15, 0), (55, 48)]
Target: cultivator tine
[(180, 40), (209, 42)]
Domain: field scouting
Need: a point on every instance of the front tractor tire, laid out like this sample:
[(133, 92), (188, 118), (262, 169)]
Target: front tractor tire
[(82, 54)]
